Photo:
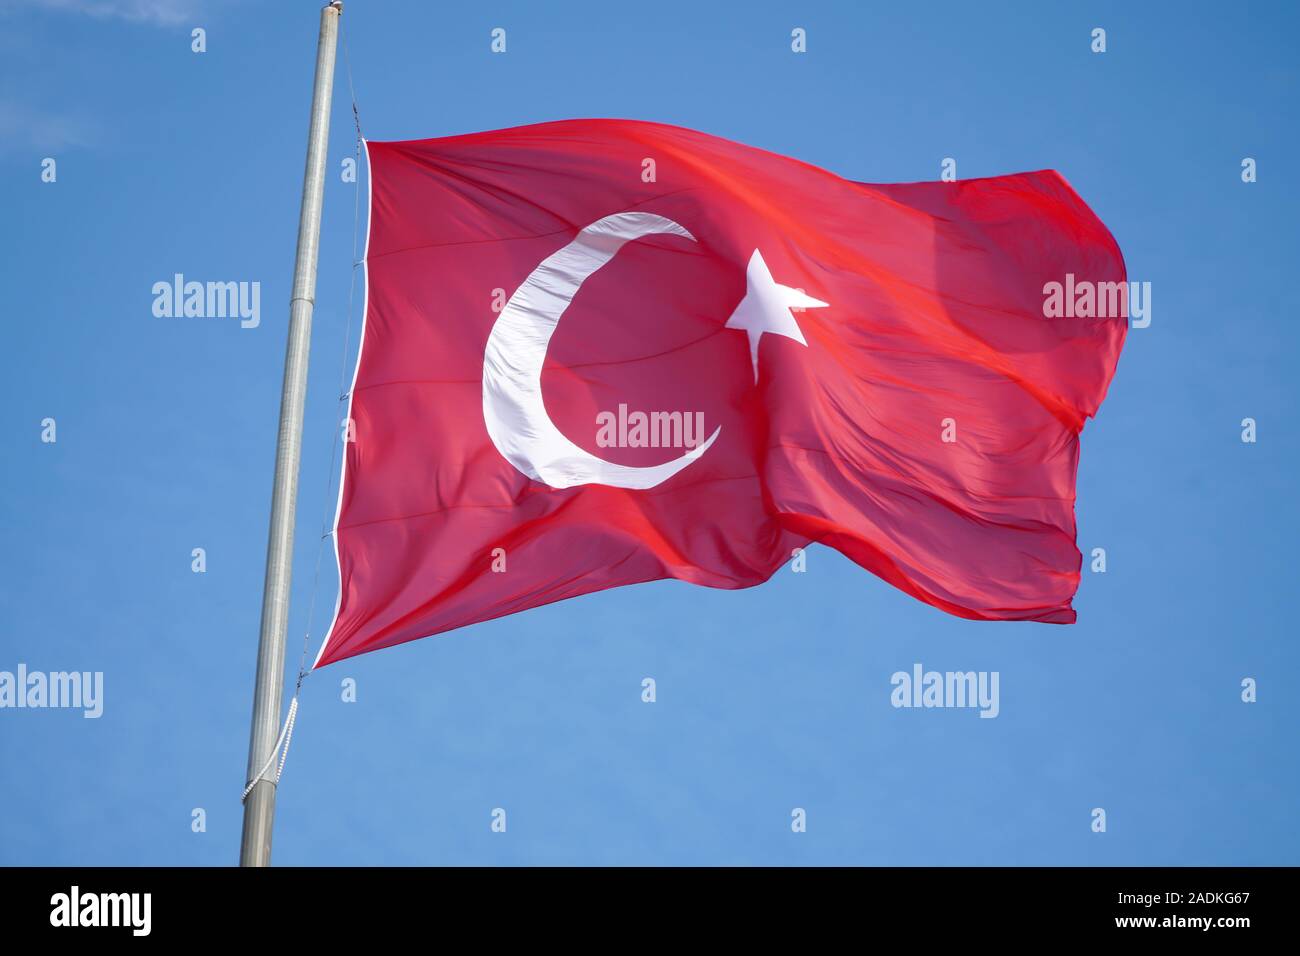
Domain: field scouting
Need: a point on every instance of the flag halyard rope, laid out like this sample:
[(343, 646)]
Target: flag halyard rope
[(281, 748)]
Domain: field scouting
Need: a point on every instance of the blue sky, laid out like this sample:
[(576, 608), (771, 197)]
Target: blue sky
[(768, 699)]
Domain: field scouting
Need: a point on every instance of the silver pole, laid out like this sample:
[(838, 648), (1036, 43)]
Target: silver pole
[(259, 808)]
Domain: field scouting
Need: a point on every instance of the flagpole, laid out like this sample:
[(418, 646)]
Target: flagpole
[(259, 807)]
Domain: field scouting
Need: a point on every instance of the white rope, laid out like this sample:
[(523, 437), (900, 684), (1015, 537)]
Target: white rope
[(286, 733), (328, 502), (288, 736)]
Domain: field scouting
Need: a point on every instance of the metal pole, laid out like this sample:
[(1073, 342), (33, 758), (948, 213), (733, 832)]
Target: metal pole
[(259, 808)]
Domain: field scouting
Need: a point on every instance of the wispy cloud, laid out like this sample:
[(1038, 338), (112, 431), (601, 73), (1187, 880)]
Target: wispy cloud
[(22, 126), (162, 12)]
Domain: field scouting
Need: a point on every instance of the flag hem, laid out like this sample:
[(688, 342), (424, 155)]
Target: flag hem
[(352, 389)]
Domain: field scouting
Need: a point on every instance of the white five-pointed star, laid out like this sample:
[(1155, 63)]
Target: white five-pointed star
[(766, 308)]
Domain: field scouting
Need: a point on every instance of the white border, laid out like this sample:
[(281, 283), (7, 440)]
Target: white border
[(352, 392)]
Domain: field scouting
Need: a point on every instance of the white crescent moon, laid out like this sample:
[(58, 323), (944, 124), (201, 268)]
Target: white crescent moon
[(513, 409)]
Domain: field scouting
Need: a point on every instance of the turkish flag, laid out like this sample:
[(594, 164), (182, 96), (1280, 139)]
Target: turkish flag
[(600, 352)]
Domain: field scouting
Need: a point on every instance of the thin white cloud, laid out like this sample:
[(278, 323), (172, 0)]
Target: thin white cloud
[(26, 127), (161, 12)]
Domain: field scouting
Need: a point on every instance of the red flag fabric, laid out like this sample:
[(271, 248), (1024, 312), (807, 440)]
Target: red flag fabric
[(754, 354)]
